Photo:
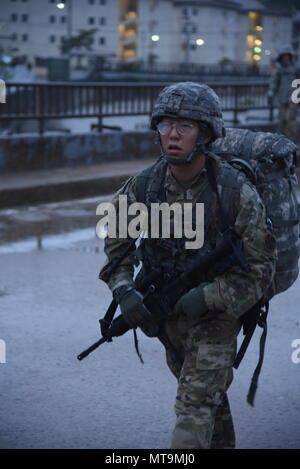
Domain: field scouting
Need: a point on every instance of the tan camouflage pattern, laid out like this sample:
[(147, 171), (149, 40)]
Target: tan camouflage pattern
[(202, 409), (203, 418), (223, 434), (259, 247), (123, 274)]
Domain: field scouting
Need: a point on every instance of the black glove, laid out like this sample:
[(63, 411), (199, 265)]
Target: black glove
[(134, 311)]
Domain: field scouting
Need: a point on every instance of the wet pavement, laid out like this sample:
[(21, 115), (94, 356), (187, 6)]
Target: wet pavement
[(50, 303), (37, 224)]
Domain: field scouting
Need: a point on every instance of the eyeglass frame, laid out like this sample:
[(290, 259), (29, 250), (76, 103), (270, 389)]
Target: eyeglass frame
[(177, 123)]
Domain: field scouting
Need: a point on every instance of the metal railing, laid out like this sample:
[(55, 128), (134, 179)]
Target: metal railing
[(42, 101), (225, 69)]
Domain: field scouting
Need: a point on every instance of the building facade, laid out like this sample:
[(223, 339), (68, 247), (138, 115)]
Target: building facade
[(148, 31)]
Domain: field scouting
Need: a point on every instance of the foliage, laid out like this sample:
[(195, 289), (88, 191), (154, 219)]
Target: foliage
[(83, 40)]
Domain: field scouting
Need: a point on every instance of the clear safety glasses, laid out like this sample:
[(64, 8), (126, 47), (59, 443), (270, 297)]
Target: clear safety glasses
[(182, 128)]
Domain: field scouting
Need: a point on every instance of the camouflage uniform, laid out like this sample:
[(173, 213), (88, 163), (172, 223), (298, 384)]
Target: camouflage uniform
[(206, 349), (281, 89)]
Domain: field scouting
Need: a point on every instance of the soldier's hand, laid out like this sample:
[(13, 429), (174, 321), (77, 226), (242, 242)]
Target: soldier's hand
[(192, 304), (134, 311)]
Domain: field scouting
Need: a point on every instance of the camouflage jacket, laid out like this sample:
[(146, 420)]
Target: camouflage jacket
[(236, 290)]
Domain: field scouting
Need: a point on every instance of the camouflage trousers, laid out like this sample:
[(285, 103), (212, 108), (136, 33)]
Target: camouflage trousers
[(288, 120), (204, 374)]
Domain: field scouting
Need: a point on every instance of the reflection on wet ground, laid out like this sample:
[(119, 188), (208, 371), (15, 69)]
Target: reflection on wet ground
[(48, 226), (67, 225)]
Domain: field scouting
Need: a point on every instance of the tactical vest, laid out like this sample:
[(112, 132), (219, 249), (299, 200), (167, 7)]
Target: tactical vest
[(171, 253)]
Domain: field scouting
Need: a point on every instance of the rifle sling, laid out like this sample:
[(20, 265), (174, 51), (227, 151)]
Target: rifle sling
[(213, 183), (262, 322), (105, 322), (261, 318)]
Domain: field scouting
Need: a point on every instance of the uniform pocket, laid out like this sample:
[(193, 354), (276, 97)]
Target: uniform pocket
[(215, 356)]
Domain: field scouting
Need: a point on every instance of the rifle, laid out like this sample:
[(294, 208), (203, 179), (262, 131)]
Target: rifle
[(161, 292)]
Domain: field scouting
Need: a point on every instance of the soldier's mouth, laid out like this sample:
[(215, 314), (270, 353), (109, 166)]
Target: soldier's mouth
[(174, 149)]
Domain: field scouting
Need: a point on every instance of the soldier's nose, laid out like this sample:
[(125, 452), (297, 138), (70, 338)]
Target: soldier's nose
[(173, 132)]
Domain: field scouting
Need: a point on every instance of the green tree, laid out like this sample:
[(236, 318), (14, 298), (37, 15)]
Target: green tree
[(83, 40)]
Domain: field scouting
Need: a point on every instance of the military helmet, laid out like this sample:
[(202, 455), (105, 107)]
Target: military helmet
[(191, 101), (283, 51)]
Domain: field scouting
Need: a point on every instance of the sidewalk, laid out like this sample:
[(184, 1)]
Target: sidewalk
[(53, 185)]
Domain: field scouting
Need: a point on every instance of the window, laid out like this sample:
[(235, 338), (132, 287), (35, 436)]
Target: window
[(24, 37), (52, 39), (102, 41), (195, 11), (102, 21), (14, 17), (102, 2), (52, 19), (24, 18), (63, 19), (14, 36), (91, 20), (92, 2)]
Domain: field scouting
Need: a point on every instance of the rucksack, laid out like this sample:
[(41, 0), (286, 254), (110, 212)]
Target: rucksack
[(271, 159)]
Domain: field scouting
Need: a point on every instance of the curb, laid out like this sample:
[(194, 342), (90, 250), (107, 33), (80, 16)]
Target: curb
[(56, 192), (70, 187)]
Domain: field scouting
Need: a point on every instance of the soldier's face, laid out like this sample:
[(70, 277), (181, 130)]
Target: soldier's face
[(178, 136)]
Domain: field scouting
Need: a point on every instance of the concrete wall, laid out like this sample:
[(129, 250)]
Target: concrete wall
[(19, 153)]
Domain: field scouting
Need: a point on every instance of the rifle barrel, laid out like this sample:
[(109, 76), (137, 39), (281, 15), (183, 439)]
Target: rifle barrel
[(90, 349)]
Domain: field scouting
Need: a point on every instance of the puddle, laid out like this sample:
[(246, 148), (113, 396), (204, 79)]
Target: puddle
[(42, 226), (48, 242)]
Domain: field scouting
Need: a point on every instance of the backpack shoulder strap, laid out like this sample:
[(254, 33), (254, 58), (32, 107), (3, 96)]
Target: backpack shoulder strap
[(145, 178), (247, 144)]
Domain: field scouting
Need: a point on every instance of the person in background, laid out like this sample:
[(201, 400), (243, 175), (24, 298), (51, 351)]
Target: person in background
[(280, 91)]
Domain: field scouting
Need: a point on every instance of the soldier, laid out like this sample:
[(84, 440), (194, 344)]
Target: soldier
[(280, 89), (206, 321)]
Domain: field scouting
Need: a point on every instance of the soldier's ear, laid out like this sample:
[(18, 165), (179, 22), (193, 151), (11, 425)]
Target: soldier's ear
[(208, 135)]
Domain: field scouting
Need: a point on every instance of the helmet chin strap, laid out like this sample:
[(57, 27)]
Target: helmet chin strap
[(200, 147)]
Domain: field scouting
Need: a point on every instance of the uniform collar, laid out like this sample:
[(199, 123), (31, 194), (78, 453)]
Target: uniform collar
[(176, 187)]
